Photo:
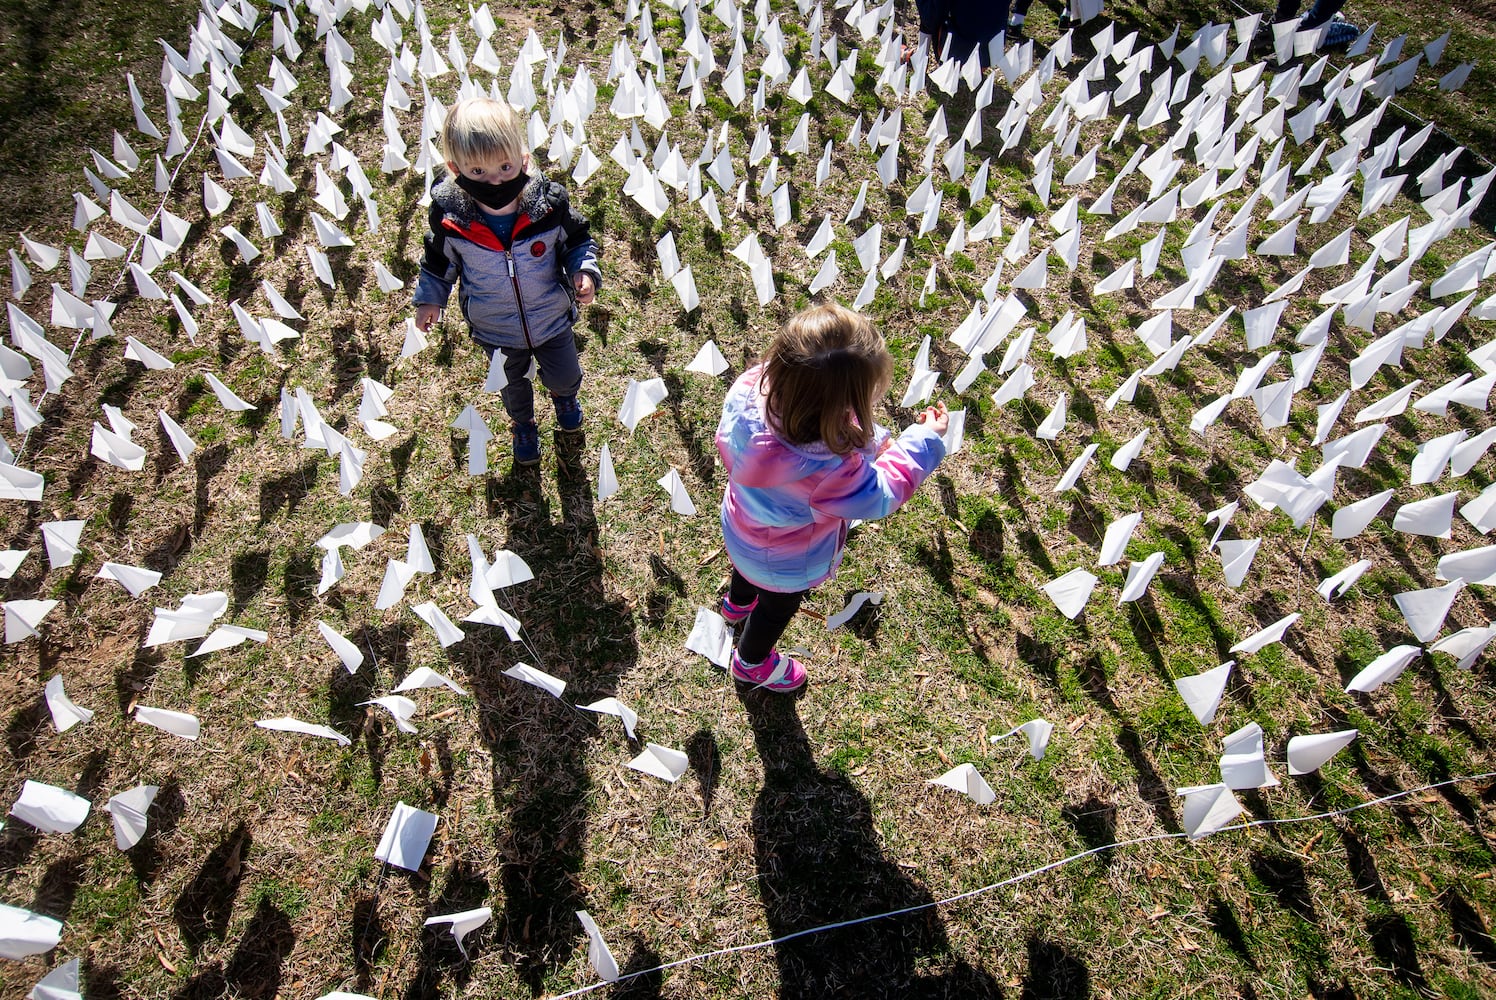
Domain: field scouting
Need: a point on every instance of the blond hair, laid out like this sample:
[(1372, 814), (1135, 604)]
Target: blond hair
[(825, 371), (482, 128)]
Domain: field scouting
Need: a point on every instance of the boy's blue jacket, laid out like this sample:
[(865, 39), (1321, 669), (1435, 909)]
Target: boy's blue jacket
[(515, 296)]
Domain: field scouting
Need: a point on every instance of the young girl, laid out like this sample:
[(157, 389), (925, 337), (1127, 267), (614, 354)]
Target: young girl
[(803, 457)]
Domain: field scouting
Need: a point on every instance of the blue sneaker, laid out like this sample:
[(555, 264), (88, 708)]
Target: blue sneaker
[(1338, 33), (526, 443), (568, 413)]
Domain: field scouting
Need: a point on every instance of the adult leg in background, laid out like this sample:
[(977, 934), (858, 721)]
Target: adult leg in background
[(1320, 12)]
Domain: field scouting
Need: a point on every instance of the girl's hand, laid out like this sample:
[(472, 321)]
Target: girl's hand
[(586, 290), (936, 417), (426, 316)]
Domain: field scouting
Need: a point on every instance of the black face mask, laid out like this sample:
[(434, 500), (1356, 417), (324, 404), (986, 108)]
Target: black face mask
[(494, 195)]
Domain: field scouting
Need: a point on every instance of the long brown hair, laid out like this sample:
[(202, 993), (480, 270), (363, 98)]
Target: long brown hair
[(825, 371)]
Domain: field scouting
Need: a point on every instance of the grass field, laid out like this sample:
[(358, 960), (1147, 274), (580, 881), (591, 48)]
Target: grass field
[(257, 875)]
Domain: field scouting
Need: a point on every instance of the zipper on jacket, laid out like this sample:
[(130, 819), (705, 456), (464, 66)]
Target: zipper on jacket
[(519, 300)]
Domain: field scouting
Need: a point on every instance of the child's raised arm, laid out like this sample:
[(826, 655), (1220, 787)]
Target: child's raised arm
[(868, 489)]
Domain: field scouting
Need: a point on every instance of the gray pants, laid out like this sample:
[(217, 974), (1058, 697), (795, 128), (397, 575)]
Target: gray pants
[(560, 373)]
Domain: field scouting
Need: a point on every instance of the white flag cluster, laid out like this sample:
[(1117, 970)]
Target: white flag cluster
[(1222, 161)]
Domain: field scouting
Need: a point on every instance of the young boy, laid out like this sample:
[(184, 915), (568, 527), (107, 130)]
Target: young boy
[(522, 258)]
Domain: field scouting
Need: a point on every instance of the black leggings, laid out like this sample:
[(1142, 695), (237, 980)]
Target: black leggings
[(768, 620)]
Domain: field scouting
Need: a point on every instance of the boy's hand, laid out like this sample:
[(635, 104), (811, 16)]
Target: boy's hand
[(426, 316), (586, 290), (936, 417)]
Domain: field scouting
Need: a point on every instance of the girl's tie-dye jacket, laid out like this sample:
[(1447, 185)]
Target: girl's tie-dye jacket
[(786, 506)]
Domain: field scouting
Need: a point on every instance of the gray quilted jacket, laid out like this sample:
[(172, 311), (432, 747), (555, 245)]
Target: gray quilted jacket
[(515, 296)]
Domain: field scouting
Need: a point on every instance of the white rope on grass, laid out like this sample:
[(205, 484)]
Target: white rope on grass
[(1014, 880)]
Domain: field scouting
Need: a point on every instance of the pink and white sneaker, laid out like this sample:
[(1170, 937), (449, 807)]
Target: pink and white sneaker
[(781, 674)]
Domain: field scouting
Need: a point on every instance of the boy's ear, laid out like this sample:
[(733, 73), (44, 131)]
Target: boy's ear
[(452, 169)]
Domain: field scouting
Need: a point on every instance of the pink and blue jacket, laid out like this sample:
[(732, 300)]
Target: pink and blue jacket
[(786, 506)]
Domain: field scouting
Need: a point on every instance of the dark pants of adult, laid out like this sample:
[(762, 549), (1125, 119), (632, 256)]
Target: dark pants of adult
[(768, 620), (1021, 9), (969, 24), (1319, 13)]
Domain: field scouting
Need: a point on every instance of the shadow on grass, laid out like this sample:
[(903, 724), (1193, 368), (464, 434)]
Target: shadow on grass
[(667, 587), (1095, 822), (1148, 631), (168, 549), (1091, 674), (208, 463), (986, 539), (1391, 936), (58, 887), (166, 811), (1151, 786), (1470, 931), (131, 681), (1445, 704), (539, 745), (103, 981), (1054, 973), (299, 579), (819, 862), (1330, 991), (202, 910), (1224, 922), (644, 987), (439, 958), (1392, 940), (701, 449), (287, 490), (248, 574), (986, 543), (1285, 878), (17, 842), (1184, 587), (254, 970), (369, 939), (706, 761), (27, 725), (385, 648)]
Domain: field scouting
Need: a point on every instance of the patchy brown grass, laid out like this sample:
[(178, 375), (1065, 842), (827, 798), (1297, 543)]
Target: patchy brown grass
[(258, 879)]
